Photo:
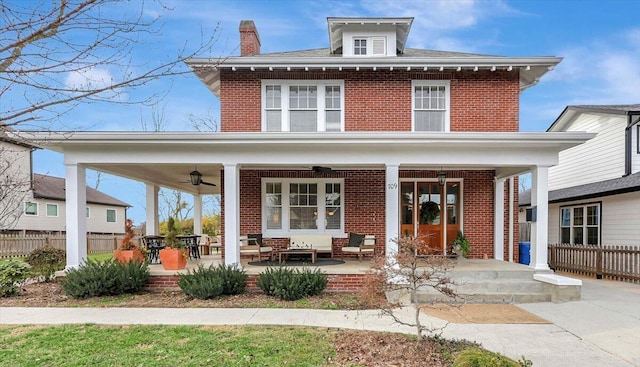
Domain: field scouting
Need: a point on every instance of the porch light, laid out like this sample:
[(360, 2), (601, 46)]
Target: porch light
[(196, 177), (442, 178)]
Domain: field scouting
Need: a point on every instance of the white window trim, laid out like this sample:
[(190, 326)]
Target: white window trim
[(284, 101), (25, 209), (584, 226), (285, 231), (370, 40), (107, 215), (447, 96), (46, 212)]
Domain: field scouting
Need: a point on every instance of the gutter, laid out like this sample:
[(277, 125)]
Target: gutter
[(628, 134)]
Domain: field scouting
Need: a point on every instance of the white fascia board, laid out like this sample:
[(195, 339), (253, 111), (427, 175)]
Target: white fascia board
[(334, 62), (61, 141)]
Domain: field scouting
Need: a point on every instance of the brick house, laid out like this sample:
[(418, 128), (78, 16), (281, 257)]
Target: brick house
[(364, 136)]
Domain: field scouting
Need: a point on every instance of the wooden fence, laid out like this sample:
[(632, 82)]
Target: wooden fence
[(19, 246), (609, 262)]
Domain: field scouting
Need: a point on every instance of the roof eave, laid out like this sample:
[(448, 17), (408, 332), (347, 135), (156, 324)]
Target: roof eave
[(531, 68)]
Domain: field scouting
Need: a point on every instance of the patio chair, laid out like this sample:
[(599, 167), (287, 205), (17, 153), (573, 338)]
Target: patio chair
[(251, 245), (360, 245)]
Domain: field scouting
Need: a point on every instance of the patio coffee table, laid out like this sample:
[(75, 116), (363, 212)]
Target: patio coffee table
[(312, 252)]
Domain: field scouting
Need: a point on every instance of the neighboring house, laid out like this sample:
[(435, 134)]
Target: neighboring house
[(364, 136), (594, 193), (39, 200)]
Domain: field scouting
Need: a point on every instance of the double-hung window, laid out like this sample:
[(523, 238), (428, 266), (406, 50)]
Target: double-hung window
[(302, 105), (52, 210), (302, 206), (430, 105), (111, 215), (30, 208), (580, 225)]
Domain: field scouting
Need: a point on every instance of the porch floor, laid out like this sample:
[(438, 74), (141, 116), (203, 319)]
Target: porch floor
[(352, 266)]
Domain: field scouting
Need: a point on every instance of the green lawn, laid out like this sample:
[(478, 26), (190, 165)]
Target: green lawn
[(101, 256), (97, 345)]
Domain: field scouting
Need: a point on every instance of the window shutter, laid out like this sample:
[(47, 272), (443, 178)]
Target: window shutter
[(379, 44)]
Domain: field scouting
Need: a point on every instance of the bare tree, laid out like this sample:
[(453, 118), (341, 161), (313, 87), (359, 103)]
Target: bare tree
[(56, 55), (14, 183), (407, 273), (203, 123), (174, 205)]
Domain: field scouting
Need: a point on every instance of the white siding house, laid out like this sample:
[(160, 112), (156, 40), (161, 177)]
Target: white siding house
[(594, 191), (39, 200)]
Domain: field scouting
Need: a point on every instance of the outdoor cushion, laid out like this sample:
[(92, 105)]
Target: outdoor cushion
[(355, 240), (257, 237)]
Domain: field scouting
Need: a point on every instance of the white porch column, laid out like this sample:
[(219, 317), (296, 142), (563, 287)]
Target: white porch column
[(153, 223), (539, 227), (197, 214), (511, 216), (231, 214), (498, 219), (76, 204), (392, 208)]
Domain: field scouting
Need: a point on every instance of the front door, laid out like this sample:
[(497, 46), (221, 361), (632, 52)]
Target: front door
[(422, 206)]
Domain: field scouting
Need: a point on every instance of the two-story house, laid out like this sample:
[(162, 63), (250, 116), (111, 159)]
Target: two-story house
[(364, 136), (35, 203), (594, 192)]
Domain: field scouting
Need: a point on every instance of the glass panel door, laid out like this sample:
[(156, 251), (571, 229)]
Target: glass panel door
[(430, 225)]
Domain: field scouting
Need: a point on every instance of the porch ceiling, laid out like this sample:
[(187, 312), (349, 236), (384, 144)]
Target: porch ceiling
[(167, 158)]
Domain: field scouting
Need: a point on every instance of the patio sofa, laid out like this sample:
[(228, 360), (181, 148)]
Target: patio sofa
[(320, 242)]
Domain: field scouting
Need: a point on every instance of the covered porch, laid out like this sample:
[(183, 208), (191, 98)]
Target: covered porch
[(387, 160)]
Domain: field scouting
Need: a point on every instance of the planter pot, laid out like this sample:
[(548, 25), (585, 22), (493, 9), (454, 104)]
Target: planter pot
[(125, 256), (173, 259)]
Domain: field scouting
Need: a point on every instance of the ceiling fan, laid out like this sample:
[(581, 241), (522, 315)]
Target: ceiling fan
[(321, 169), (196, 179)]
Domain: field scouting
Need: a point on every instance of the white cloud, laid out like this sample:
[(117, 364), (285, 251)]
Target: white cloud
[(606, 70), (93, 78)]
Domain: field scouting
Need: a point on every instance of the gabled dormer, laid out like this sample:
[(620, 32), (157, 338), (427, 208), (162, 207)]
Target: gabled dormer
[(368, 37)]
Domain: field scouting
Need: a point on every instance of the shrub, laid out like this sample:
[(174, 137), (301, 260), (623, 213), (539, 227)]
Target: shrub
[(289, 284), (482, 358), (234, 279), (108, 278), (12, 274), (202, 283), (45, 261)]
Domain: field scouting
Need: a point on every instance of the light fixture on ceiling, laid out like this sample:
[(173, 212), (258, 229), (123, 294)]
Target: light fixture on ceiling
[(196, 179), (442, 177)]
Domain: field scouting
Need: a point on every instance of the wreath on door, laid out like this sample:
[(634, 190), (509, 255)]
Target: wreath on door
[(429, 211)]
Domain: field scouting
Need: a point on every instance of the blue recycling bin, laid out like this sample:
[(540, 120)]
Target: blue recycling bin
[(525, 252)]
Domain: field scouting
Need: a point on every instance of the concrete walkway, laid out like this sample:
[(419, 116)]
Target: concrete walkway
[(603, 329)]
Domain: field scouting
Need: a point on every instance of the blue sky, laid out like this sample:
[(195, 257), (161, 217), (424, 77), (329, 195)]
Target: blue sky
[(599, 41)]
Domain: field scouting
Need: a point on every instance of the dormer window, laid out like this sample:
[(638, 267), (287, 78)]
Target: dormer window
[(360, 46), (369, 46)]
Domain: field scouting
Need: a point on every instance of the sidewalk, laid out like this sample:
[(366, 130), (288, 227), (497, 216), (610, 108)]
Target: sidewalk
[(603, 329)]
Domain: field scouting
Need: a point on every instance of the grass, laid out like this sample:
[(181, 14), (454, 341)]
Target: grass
[(97, 345), (103, 256)]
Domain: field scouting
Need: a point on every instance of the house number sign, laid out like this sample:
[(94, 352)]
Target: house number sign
[(392, 186)]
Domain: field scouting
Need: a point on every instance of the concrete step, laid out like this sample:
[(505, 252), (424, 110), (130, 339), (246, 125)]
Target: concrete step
[(492, 275), (489, 297), (502, 286)]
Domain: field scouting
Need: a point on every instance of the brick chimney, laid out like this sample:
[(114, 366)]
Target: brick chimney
[(249, 38)]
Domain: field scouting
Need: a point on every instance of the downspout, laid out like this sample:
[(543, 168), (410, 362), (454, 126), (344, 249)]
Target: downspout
[(511, 217), (627, 141)]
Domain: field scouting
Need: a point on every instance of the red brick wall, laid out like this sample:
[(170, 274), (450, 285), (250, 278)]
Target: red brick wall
[(337, 282), (365, 205), (381, 100), (477, 207)]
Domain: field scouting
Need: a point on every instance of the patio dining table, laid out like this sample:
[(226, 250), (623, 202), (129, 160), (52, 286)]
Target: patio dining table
[(154, 244), (192, 242)]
